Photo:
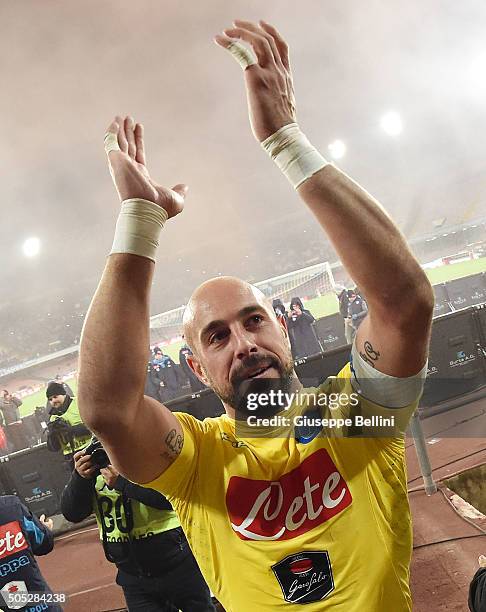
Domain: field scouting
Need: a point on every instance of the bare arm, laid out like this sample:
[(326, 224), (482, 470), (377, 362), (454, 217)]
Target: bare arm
[(394, 336), (141, 436)]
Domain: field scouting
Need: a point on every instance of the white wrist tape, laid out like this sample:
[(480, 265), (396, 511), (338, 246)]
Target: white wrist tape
[(294, 154), (138, 228), (244, 56)]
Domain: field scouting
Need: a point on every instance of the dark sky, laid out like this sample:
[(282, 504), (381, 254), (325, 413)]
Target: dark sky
[(68, 67)]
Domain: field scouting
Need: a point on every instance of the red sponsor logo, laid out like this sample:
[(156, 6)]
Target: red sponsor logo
[(299, 501), (12, 539), (301, 566)]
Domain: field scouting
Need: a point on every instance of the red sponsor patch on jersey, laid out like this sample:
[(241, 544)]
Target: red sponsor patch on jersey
[(301, 566), (12, 539), (299, 501)]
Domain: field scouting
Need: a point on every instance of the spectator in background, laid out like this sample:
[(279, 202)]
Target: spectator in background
[(194, 382), (357, 310), (65, 429), (343, 309), (168, 376), (301, 328), (282, 315), (23, 536), (153, 382), (300, 303), (9, 405), (158, 357), (141, 534), (279, 308)]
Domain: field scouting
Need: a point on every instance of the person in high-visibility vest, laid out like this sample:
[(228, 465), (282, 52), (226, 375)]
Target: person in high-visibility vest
[(141, 534), (66, 430)]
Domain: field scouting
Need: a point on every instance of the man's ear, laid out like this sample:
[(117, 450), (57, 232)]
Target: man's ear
[(195, 366)]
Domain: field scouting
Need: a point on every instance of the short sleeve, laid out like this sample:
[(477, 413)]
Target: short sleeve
[(367, 419), (383, 389), (177, 481)]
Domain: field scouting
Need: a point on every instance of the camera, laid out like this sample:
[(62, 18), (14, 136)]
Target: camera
[(99, 457)]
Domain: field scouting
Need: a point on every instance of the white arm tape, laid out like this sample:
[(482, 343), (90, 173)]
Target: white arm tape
[(244, 56), (294, 154), (138, 228), (382, 389)]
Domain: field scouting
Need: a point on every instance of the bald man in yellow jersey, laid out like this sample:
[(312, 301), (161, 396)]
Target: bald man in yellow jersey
[(277, 519)]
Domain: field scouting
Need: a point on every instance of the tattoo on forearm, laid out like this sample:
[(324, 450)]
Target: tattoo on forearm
[(370, 355), (174, 441)]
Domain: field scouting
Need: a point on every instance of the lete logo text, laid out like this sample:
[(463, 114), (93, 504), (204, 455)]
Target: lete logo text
[(12, 539), (299, 501)]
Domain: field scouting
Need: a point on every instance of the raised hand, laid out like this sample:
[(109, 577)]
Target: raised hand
[(269, 85), (49, 523), (124, 146)]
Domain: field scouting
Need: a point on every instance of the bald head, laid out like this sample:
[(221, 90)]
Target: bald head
[(215, 300), (235, 335)]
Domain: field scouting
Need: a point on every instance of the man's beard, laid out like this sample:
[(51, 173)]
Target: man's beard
[(236, 395)]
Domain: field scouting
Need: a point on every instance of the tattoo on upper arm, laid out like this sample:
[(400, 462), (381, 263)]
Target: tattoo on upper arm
[(174, 441), (370, 355)]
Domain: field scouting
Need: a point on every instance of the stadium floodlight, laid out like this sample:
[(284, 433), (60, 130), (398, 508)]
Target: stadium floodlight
[(391, 123), (31, 247), (337, 149)]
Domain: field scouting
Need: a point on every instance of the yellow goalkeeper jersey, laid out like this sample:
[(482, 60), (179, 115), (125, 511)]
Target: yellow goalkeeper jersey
[(279, 524)]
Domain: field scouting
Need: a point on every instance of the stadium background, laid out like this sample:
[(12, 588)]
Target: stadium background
[(68, 68)]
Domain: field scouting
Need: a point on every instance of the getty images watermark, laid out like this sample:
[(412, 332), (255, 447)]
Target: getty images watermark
[(277, 402)]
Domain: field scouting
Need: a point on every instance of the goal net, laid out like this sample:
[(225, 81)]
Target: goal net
[(305, 283)]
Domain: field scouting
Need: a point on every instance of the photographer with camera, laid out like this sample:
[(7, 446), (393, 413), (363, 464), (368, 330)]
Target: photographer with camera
[(65, 429), (300, 323), (140, 533)]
